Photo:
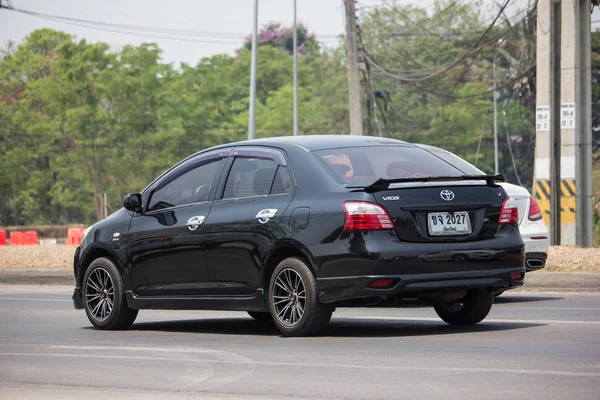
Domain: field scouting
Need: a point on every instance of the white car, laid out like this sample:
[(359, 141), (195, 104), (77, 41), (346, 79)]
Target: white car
[(531, 223)]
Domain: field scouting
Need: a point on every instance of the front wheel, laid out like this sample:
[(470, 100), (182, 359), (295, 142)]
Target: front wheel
[(469, 310), (104, 297), (293, 300)]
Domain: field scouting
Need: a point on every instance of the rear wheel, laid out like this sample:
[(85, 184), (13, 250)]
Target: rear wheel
[(260, 316), (294, 302), (469, 310), (104, 298)]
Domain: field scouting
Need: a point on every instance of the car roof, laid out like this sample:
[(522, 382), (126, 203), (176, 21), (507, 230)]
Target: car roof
[(321, 142)]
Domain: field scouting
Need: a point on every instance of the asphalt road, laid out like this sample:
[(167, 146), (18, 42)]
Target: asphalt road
[(541, 345)]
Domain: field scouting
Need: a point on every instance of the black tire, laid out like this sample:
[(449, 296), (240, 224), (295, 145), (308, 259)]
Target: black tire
[(95, 290), (260, 316), (469, 310), (498, 294), (315, 315)]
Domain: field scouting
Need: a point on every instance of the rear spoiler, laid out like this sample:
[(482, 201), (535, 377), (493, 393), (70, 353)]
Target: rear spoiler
[(383, 184)]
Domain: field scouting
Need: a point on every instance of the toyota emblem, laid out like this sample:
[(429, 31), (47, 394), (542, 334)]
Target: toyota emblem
[(447, 195)]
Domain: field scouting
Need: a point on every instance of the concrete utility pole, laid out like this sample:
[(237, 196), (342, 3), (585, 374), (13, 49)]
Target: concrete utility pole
[(563, 120), (555, 133), (576, 114), (296, 122), (252, 116), (356, 127), (545, 172), (583, 171)]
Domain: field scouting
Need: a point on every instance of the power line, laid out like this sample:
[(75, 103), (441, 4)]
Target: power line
[(146, 31), (417, 74), (448, 66), (496, 41)]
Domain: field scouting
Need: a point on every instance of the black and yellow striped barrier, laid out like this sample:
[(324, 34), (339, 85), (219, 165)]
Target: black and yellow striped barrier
[(568, 189)]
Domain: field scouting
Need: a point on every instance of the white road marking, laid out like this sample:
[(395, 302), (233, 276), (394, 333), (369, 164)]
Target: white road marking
[(218, 356), (484, 370), (140, 348), (110, 357), (31, 299)]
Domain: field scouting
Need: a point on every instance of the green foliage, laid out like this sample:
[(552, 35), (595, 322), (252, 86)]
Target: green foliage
[(78, 119)]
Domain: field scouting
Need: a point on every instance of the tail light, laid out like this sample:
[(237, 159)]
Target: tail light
[(365, 216), (509, 213), (535, 214)]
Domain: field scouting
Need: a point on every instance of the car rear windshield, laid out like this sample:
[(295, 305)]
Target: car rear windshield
[(455, 160), (353, 164)]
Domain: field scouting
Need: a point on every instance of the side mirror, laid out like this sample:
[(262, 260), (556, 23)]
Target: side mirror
[(133, 202)]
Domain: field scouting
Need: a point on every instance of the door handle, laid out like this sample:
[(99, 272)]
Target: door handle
[(194, 222), (265, 215)]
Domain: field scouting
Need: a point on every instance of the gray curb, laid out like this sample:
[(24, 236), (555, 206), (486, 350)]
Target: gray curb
[(534, 281), (562, 281), (37, 277)]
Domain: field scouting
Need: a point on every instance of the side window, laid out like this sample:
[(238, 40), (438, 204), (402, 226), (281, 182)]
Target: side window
[(250, 177), (283, 182), (191, 187)]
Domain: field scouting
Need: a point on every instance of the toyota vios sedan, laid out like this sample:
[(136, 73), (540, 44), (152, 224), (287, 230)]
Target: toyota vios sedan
[(290, 228)]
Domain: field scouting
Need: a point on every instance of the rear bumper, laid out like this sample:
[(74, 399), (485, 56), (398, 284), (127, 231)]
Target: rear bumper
[(416, 268), (432, 286)]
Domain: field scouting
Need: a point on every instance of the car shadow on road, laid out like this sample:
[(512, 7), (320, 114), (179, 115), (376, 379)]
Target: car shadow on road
[(387, 328), (515, 298), (339, 327)]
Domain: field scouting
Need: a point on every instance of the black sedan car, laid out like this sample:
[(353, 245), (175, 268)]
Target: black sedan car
[(290, 228)]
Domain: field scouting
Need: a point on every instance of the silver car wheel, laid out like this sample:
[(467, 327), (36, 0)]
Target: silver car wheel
[(99, 294), (289, 297)]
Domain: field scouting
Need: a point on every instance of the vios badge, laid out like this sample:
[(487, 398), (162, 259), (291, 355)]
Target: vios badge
[(447, 195)]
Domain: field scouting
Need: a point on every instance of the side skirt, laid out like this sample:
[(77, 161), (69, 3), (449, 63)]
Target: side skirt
[(256, 302)]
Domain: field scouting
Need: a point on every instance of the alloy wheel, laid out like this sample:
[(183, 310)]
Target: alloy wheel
[(100, 294), (289, 297)]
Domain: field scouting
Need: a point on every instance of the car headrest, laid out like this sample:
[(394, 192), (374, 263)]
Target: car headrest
[(396, 169), (340, 169)]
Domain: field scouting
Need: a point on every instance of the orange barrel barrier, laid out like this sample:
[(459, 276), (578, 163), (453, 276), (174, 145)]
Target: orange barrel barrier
[(74, 236), (2, 238), (16, 238), (30, 238)]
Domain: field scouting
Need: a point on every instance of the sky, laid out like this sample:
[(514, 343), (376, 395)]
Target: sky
[(231, 18), (223, 23)]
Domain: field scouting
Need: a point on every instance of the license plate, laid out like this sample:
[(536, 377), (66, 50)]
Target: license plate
[(445, 223)]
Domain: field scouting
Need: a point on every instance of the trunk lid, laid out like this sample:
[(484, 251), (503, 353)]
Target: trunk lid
[(443, 211)]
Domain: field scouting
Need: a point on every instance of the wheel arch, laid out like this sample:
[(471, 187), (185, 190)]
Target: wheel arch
[(93, 254), (281, 251)]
